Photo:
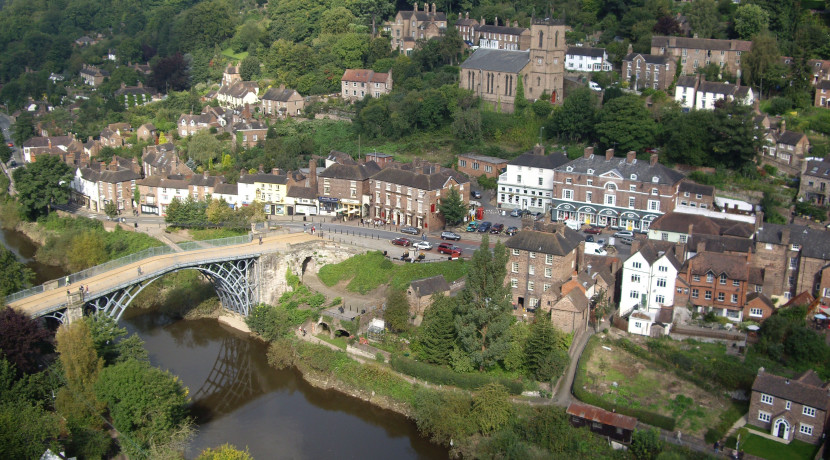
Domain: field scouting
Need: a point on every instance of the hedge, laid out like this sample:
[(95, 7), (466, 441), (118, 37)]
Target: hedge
[(645, 416), (444, 376)]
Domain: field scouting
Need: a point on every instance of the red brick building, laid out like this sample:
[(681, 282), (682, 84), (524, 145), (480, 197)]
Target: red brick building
[(718, 282), (475, 165)]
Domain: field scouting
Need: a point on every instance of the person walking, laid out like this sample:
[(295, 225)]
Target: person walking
[(139, 270), (260, 240)]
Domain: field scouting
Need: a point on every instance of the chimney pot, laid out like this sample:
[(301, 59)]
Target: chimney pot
[(630, 157), (609, 154)]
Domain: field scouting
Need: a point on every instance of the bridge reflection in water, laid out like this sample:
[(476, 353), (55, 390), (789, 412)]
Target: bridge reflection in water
[(230, 382)]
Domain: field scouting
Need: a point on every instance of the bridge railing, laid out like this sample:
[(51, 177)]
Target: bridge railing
[(126, 260)]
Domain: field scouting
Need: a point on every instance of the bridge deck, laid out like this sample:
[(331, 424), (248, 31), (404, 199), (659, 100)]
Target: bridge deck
[(47, 301)]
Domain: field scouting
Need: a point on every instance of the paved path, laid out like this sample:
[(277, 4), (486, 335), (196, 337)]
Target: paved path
[(48, 300), (562, 395)]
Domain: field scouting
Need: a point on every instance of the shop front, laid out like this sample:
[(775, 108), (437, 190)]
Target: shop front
[(328, 205)]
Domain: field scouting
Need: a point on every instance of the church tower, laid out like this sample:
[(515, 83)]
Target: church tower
[(547, 59)]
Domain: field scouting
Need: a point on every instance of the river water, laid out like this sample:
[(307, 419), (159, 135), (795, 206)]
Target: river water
[(238, 398)]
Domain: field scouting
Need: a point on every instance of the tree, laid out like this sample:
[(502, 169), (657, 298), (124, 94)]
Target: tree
[(750, 20), (41, 183), (520, 102), (24, 128), (540, 345), (86, 250), (491, 407), (26, 430), (703, 18), (646, 444), (575, 119), (22, 340), (110, 341), (170, 74), (437, 333), (452, 207), (14, 275), (484, 313), (736, 140), (76, 402), (667, 25), (626, 124), (397, 310), (762, 57), (5, 150), (204, 147), (249, 68), (466, 125), (145, 403), (111, 209)]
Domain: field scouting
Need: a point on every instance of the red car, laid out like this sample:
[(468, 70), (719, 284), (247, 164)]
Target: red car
[(448, 248), (593, 230), (401, 242)]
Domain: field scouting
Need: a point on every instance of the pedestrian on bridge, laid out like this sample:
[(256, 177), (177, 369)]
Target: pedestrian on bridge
[(139, 271), (260, 240)]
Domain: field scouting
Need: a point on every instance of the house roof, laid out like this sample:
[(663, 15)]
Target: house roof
[(658, 59), (226, 189), (679, 222), (356, 172), (801, 390), (485, 158), (586, 51), (203, 180), (497, 60), (419, 180), (501, 29), (719, 243), (277, 94), (735, 267), (238, 89), (818, 168), (532, 160), (250, 126), (296, 191), (644, 171), (559, 243), (698, 189), (813, 243), (574, 300), (824, 84), (760, 298), (700, 43), (364, 75), (653, 250), (595, 414), (429, 286), (424, 16), (341, 158), (789, 137), (805, 298), (264, 178), (687, 81)]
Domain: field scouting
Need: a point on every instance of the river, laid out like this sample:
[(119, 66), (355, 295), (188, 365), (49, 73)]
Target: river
[(238, 398)]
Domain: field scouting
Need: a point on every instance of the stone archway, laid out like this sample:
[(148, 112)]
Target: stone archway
[(781, 428)]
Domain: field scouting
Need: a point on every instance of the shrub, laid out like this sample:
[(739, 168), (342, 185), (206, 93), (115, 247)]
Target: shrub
[(281, 354), (444, 376)]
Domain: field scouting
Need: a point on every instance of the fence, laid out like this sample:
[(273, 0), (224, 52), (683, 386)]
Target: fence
[(126, 260)]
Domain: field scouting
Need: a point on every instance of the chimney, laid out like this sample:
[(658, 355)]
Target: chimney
[(652, 160), (483, 22), (205, 174), (630, 48), (416, 6), (589, 152), (538, 149), (630, 157), (276, 171), (609, 154), (262, 169), (782, 126), (312, 173), (615, 266), (242, 172), (467, 15), (701, 247), (785, 236), (282, 87), (496, 21), (580, 255), (515, 23), (123, 85), (759, 221), (140, 85), (691, 229), (103, 166), (434, 9), (695, 36)]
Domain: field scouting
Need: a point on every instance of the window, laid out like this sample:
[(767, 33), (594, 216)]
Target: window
[(567, 194), (764, 416), (548, 272), (515, 252), (736, 283), (589, 197), (637, 265), (638, 324), (532, 255), (635, 295), (721, 296), (660, 299), (734, 298), (540, 181), (530, 285), (757, 312), (661, 282), (694, 293), (515, 267), (635, 278), (662, 268), (722, 279), (664, 236), (590, 182), (789, 404), (653, 205), (546, 287), (809, 411), (696, 278), (519, 178), (654, 191), (793, 263), (531, 270), (632, 188), (805, 429), (707, 295), (795, 247), (710, 277), (514, 283), (766, 399), (631, 202), (610, 200)]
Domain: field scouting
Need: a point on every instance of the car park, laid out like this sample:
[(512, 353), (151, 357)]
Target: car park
[(410, 230), (593, 230), (448, 248), (472, 226), (423, 245), (401, 242), (511, 231), (624, 234), (450, 236), (496, 229), (484, 227), (476, 194)]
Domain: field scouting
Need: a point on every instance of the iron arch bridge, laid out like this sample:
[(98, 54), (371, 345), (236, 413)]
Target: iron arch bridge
[(232, 270)]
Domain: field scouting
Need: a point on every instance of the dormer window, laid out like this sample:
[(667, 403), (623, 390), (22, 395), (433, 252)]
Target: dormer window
[(569, 169), (590, 171), (655, 179), (633, 177), (795, 247)]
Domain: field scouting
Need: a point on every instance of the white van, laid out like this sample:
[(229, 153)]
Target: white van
[(574, 225)]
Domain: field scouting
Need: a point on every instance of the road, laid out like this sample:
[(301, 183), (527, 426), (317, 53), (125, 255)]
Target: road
[(5, 126)]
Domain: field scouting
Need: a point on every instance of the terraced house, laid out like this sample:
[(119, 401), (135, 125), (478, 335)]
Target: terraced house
[(618, 192), (410, 26), (528, 180), (268, 189)]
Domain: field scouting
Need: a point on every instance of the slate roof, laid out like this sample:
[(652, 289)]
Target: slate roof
[(801, 390), (700, 43), (586, 51), (497, 60), (814, 243), (238, 89), (423, 16), (418, 180), (45, 141), (653, 250), (200, 180), (697, 189), (679, 222), (714, 87), (226, 189), (658, 59), (341, 157), (789, 137), (559, 243), (643, 170), (249, 126), (595, 414), (276, 94), (429, 286), (264, 178), (501, 29), (296, 191), (735, 267), (532, 160), (574, 300), (717, 243), (824, 84), (818, 168), (687, 81), (135, 90), (354, 172)]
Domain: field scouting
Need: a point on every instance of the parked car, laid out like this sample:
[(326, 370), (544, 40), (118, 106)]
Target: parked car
[(423, 245), (624, 234), (601, 242), (511, 231), (401, 242), (628, 241), (515, 213), (410, 230), (593, 230), (476, 194), (484, 227), (11, 144), (472, 226), (594, 86), (496, 229), (448, 248), (450, 236), (589, 239)]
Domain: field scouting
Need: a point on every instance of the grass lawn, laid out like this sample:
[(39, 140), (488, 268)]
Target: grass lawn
[(626, 380), (772, 450), (339, 342), (239, 56), (366, 272), (200, 234)]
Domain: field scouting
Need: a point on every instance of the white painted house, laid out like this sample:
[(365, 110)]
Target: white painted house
[(528, 181), (648, 278), (85, 184), (692, 92), (587, 59)]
